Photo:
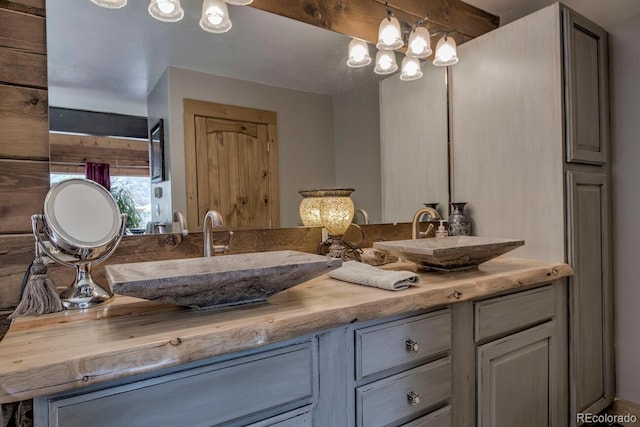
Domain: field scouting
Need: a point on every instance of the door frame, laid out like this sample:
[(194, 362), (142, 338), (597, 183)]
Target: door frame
[(193, 108)]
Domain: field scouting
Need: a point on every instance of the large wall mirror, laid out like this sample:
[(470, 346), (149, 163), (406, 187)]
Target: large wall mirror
[(331, 119)]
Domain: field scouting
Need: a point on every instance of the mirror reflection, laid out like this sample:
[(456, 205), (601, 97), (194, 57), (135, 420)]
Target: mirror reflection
[(329, 116)]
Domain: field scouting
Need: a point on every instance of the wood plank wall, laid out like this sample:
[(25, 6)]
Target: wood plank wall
[(24, 140)]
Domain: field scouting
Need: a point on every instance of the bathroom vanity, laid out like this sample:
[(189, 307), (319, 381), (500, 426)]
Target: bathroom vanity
[(324, 353)]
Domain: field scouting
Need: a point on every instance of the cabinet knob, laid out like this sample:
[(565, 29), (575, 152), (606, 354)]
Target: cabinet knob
[(413, 398), (412, 346)]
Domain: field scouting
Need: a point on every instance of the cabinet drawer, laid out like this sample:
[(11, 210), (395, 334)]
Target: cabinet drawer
[(203, 396), (439, 418), (405, 395), (502, 315), (299, 418), (394, 344)]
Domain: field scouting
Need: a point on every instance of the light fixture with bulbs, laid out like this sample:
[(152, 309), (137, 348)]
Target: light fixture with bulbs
[(215, 16), (385, 62), (214, 19), (166, 10), (111, 4), (419, 45), (358, 54), (389, 33), (411, 69), (391, 37), (446, 52)]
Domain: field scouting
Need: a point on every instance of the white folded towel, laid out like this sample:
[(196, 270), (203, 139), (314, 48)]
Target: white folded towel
[(368, 275)]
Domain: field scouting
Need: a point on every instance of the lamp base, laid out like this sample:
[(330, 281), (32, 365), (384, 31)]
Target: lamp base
[(337, 248), (84, 292)]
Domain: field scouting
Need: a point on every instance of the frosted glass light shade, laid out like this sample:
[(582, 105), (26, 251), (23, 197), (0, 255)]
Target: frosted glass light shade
[(419, 45), (310, 208), (166, 10), (111, 4), (411, 69), (385, 62), (336, 210), (239, 2), (389, 34), (215, 16), (358, 54), (446, 52)]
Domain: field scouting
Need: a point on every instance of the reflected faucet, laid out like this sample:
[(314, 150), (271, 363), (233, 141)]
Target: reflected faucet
[(365, 216), (415, 224), (182, 224), (213, 219)]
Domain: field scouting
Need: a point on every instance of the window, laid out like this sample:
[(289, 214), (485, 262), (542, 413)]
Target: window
[(139, 187)]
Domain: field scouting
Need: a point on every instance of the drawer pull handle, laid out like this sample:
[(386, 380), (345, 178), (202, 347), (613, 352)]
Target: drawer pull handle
[(413, 398), (412, 346)]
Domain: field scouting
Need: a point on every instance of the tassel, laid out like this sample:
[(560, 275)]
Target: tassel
[(39, 295)]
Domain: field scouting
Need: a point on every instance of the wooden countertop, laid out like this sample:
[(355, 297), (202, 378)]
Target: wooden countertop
[(73, 349)]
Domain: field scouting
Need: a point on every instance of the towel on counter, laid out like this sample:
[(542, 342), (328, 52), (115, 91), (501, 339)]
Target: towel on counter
[(368, 275)]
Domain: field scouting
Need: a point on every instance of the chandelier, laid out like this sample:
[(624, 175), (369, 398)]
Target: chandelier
[(215, 14), (391, 38)]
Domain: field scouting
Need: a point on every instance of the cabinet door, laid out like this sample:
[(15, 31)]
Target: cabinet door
[(516, 380), (591, 345), (586, 90)]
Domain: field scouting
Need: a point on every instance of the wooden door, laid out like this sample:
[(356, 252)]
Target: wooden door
[(231, 165), (591, 305)]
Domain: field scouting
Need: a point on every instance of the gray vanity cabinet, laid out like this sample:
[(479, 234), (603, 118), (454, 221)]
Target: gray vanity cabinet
[(591, 350), (521, 358), (530, 151), (513, 379), (510, 359), (586, 86), (403, 371), (271, 388), (486, 362)]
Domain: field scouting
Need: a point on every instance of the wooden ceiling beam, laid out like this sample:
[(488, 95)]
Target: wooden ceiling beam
[(361, 18)]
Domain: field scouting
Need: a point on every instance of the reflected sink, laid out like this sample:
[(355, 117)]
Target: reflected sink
[(449, 253), (217, 281)]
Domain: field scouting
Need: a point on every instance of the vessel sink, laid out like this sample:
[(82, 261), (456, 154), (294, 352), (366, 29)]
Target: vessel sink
[(449, 253), (217, 281)]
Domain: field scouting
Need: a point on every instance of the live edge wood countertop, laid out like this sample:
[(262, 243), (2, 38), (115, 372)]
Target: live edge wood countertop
[(73, 349)]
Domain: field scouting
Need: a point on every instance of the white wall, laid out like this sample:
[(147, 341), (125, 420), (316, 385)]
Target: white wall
[(624, 75), (413, 138), (356, 116), (305, 132), (158, 108)]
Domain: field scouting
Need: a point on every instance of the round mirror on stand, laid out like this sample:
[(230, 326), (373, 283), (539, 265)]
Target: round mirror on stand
[(83, 225)]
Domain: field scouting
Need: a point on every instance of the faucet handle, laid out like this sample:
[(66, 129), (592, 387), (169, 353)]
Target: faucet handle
[(226, 248), (425, 234)]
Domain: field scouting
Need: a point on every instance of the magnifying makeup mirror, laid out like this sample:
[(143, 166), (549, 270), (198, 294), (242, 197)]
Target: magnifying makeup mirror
[(83, 225)]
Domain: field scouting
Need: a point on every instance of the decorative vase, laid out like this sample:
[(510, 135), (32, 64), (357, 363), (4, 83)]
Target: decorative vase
[(427, 216), (459, 221)]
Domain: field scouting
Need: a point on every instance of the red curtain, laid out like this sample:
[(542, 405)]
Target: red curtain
[(98, 172)]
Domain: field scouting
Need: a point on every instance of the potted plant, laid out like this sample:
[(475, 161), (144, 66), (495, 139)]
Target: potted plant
[(127, 205)]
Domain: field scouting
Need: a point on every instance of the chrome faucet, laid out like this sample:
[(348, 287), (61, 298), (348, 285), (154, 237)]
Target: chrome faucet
[(182, 224), (415, 224), (213, 219)]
